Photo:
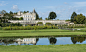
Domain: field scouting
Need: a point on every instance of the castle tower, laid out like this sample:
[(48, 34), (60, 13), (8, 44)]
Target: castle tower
[(19, 13), (34, 11)]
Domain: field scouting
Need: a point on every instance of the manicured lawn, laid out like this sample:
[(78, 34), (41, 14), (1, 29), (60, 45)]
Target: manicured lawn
[(44, 48), (44, 32), (81, 28)]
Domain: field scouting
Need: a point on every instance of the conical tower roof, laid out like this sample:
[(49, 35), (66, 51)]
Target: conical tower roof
[(34, 11)]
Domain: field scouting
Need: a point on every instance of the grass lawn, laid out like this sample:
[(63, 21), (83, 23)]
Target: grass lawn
[(44, 32), (81, 28), (26, 31), (44, 48)]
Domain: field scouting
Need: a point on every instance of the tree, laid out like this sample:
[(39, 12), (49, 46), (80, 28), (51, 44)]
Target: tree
[(3, 12), (21, 18), (79, 19), (11, 12), (40, 18), (46, 18), (52, 15), (72, 17), (37, 16)]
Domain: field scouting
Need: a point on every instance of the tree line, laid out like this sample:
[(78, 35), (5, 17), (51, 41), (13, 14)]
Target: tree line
[(78, 18)]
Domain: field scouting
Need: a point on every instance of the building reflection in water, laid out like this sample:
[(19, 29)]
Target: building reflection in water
[(27, 41), (52, 40), (19, 41), (77, 39), (33, 41)]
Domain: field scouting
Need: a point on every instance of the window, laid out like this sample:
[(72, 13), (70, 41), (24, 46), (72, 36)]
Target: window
[(34, 15)]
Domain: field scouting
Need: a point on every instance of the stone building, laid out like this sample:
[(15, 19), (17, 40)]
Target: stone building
[(1, 15), (26, 16)]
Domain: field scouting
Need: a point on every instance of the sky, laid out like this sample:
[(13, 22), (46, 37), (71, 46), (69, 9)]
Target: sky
[(63, 8)]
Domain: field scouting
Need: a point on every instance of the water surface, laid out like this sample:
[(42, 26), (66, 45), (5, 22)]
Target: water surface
[(43, 41)]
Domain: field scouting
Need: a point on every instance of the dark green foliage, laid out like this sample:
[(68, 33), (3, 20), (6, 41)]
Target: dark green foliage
[(68, 20), (11, 12), (40, 18), (72, 17), (21, 18), (0, 28), (37, 16), (29, 27), (52, 15), (79, 19), (10, 24), (48, 24), (46, 18), (75, 26), (39, 23)]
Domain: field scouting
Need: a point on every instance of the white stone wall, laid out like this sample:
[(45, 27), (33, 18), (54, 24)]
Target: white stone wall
[(36, 21)]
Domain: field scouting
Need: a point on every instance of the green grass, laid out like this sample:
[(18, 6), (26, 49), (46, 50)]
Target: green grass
[(27, 31), (44, 48), (44, 32), (81, 28)]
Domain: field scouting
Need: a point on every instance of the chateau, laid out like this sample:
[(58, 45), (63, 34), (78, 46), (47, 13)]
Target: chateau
[(29, 18), (26, 16)]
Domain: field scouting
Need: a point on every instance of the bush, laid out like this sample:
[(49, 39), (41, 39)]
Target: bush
[(0, 28), (76, 27), (29, 27), (39, 23)]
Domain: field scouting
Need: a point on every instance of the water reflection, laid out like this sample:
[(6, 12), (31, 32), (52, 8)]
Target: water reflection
[(27, 41), (77, 39), (43, 41), (52, 40), (19, 41)]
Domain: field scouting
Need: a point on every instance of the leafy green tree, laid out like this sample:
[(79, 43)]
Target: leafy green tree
[(10, 12), (85, 21), (3, 12), (52, 15), (79, 19), (46, 18), (72, 17), (21, 18), (37, 16), (40, 18)]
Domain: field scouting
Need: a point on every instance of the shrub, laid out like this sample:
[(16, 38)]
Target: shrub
[(0, 28), (39, 23), (29, 27)]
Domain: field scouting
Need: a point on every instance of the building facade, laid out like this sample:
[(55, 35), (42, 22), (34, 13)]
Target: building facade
[(1, 15), (26, 16)]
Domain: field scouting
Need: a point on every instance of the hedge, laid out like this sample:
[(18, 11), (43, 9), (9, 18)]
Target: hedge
[(29, 27)]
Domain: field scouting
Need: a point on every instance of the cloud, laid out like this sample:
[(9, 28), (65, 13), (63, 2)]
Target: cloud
[(80, 4), (15, 8), (3, 3)]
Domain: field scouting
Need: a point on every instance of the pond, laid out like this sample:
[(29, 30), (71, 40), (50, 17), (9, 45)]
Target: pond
[(43, 41)]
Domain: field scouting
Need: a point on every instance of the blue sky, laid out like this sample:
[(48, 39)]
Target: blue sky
[(63, 8)]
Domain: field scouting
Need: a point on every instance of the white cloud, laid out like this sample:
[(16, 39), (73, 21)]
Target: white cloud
[(3, 3), (15, 7), (79, 4)]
